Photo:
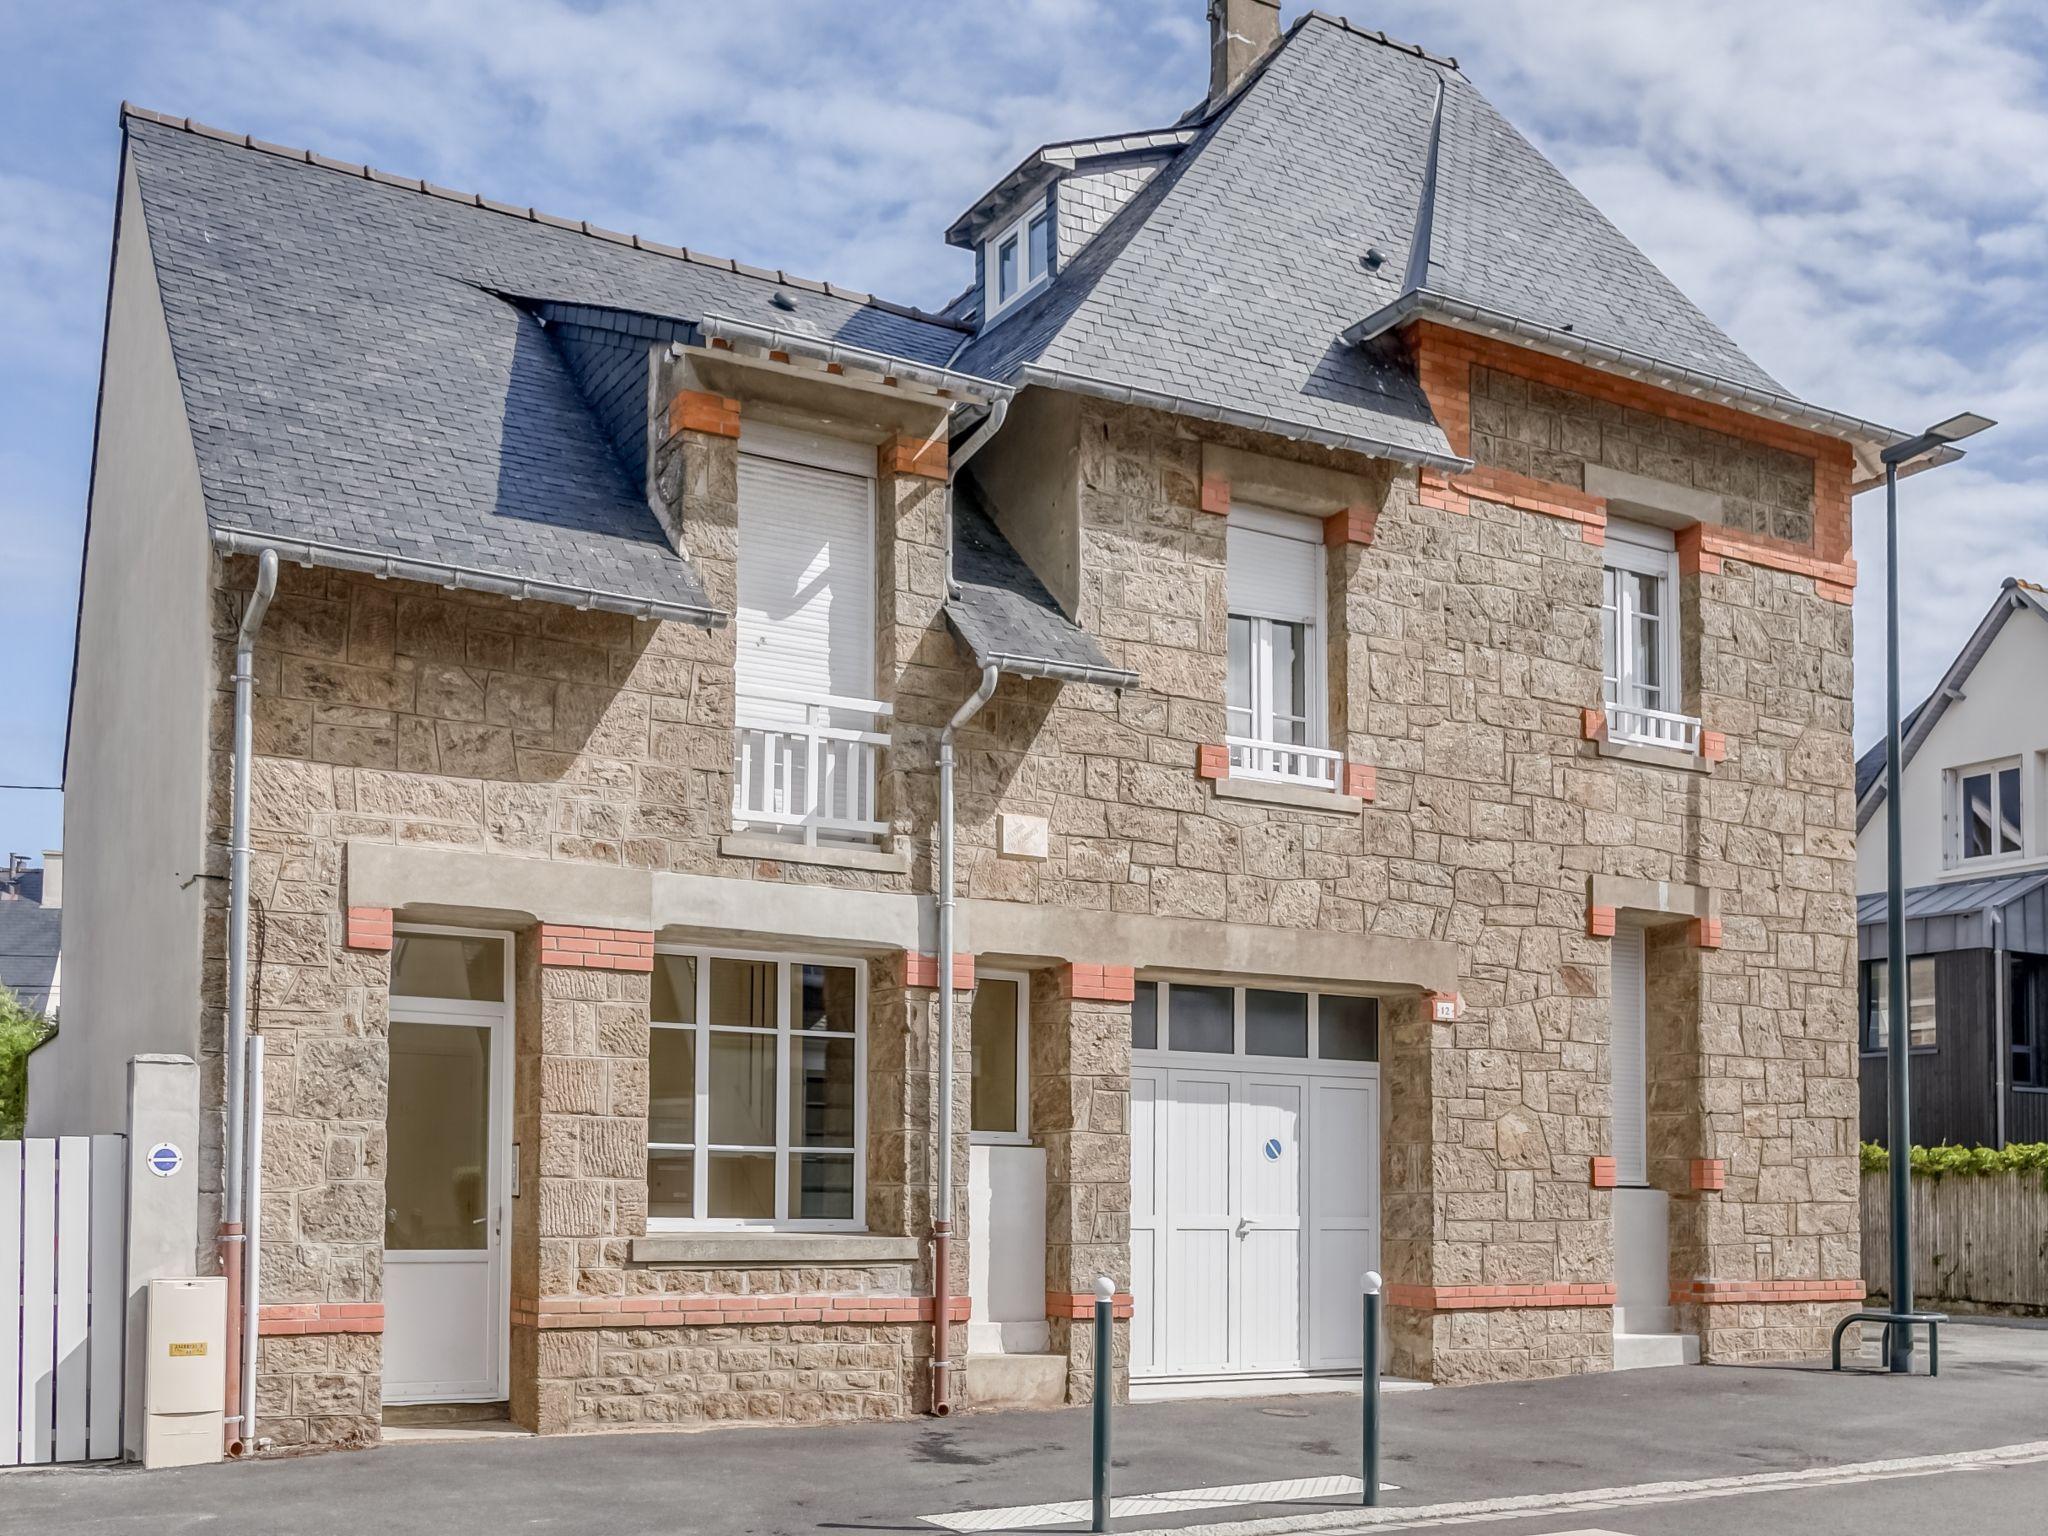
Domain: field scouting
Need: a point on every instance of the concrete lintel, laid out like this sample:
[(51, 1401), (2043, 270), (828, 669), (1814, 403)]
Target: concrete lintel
[(1652, 898), (1299, 796), (1284, 484), (1653, 500), (820, 915), (727, 1249), (460, 885), (1037, 935)]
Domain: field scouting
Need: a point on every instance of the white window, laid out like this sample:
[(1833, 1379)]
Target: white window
[(1001, 1030), (1985, 812), (809, 737), (1017, 258), (1639, 639), (1276, 716), (756, 1109)]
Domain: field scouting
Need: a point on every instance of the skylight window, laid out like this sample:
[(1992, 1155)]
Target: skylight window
[(1018, 258)]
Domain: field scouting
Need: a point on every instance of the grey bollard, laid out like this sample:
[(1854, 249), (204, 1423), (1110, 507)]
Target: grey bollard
[(1371, 1388)]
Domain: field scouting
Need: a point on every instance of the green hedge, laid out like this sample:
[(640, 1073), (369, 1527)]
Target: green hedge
[(1941, 1162)]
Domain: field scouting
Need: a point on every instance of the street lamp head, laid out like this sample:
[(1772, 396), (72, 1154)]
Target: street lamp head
[(1956, 428)]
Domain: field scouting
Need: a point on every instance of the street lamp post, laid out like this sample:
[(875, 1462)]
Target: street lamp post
[(1899, 1134)]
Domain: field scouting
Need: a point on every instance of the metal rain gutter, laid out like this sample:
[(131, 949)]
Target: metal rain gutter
[(824, 350), (1256, 421), (1421, 303), (239, 541)]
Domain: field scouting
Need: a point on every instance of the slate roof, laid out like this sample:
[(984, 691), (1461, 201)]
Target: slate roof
[(29, 934), (1003, 613), (360, 386), (1226, 288)]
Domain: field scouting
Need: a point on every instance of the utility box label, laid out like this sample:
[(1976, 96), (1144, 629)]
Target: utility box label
[(190, 1351)]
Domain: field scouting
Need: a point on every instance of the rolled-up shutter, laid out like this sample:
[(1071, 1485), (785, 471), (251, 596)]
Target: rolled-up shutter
[(806, 584), (1275, 566)]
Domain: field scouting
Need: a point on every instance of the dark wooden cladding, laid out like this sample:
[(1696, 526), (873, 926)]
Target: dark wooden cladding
[(1953, 1086)]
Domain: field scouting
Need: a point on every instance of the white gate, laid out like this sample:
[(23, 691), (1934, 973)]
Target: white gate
[(63, 1218)]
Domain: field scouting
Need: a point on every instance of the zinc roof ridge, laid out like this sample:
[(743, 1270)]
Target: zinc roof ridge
[(536, 216)]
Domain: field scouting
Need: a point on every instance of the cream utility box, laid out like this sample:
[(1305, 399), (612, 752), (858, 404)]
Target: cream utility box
[(184, 1383)]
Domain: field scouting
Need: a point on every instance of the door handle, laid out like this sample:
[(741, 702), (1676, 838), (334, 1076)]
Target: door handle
[(1244, 1225)]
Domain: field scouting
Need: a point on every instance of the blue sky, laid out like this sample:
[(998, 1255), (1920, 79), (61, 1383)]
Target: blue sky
[(1855, 189)]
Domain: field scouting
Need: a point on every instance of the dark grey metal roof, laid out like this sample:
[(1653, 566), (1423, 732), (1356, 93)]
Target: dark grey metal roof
[(2014, 596), (28, 946), (362, 392), (1003, 613), (1231, 278), (1956, 914)]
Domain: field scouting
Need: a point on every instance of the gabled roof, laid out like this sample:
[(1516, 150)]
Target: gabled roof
[(1051, 160), (364, 391), (1004, 615), (2014, 596)]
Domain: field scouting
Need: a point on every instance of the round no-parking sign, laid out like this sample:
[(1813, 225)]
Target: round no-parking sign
[(164, 1159)]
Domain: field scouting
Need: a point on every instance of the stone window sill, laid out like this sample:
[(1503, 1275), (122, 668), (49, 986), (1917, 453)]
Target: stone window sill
[(728, 1249), (1655, 757), (1299, 796), (754, 845)]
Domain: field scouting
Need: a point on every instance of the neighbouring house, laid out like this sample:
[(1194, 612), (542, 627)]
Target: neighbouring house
[(1973, 857), (1398, 650), (31, 903)]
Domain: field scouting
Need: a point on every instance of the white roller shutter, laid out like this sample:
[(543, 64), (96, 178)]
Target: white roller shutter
[(806, 583), (1626, 1060), (1275, 568)]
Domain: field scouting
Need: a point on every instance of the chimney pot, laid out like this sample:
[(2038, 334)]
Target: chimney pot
[(1241, 32)]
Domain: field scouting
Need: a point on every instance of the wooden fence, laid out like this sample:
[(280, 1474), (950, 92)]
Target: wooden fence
[(1978, 1240), (63, 1311)]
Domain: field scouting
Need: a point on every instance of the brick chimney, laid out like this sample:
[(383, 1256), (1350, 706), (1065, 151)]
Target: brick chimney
[(1241, 32)]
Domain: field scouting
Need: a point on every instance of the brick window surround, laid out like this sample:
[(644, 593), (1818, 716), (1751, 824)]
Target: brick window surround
[(565, 945)]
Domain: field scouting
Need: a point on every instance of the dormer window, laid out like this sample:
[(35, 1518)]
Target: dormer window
[(1018, 258)]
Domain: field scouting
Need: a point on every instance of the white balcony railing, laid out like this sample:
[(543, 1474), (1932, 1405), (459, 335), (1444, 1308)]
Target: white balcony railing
[(1280, 763), (1653, 728), (805, 765)]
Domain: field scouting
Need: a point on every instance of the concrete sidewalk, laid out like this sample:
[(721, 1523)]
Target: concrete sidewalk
[(1440, 1446)]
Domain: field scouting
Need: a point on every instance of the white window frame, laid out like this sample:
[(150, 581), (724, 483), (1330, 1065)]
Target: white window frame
[(1314, 1063), (702, 1146), (1309, 761), (1952, 811), (1877, 1006), (1021, 1136), (994, 301), (1642, 550)]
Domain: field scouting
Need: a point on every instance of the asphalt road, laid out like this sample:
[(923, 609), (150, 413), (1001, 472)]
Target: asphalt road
[(1441, 1446)]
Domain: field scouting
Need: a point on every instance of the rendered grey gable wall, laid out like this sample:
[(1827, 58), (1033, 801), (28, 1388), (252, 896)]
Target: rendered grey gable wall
[(1030, 478), (135, 778)]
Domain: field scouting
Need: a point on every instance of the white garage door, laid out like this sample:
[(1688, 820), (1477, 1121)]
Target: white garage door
[(1255, 1179)]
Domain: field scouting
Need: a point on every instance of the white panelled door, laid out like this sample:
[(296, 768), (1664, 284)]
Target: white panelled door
[(1254, 1209)]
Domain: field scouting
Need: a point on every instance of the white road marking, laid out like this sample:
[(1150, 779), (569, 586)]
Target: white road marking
[(1623, 1497), (1178, 1502)]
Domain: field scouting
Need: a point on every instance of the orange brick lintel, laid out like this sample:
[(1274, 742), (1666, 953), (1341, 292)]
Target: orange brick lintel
[(1709, 1174), (1488, 1298), (287, 1318), (596, 949), (1528, 494), (1216, 495), (1351, 525), (693, 410), (1101, 983), (368, 928), (923, 971), (913, 456), (1075, 1306), (716, 1311), (1722, 1293)]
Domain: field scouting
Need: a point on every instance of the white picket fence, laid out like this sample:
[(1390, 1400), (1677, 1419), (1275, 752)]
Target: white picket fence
[(63, 1220)]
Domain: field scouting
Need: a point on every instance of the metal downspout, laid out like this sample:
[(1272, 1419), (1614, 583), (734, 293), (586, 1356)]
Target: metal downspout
[(942, 1201), (233, 1243)]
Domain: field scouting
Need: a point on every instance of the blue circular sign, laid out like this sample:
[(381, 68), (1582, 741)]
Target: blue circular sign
[(1273, 1150), (165, 1159)]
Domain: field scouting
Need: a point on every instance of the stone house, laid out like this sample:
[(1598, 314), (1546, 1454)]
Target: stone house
[(1396, 656)]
